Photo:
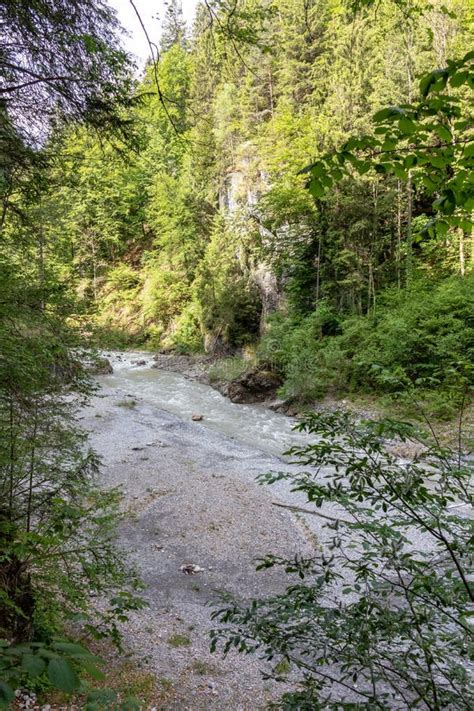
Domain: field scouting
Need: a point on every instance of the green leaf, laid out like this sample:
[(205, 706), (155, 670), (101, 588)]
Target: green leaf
[(406, 126), (441, 228), (466, 224), (384, 114), (93, 670), (425, 84), (448, 204), (71, 648), (363, 167), (33, 664), (399, 171), (438, 161), (62, 675), (6, 694), (459, 78), (469, 151), (389, 144), (410, 161), (444, 133), (318, 170), (316, 189), (343, 156)]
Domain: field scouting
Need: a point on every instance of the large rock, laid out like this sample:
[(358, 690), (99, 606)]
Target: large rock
[(253, 386), (99, 366)]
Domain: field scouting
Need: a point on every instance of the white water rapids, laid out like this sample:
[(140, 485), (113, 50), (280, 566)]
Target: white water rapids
[(253, 425)]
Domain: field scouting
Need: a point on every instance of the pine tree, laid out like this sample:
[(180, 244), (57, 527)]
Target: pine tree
[(174, 26)]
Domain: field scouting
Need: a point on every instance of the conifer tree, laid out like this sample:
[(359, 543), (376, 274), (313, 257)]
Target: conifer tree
[(174, 26)]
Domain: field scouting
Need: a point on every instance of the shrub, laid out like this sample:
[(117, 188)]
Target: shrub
[(123, 278), (228, 300), (165, 293), (298, 348), (415, 336), (422, 338), (187, 336)]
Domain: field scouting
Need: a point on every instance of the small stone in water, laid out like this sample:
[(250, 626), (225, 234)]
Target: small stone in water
[(197, 418)]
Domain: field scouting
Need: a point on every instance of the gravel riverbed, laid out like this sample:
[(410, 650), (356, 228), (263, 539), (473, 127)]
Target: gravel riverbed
[(192, 500)]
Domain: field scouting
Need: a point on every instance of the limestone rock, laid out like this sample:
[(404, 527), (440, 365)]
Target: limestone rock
[(100, 366)]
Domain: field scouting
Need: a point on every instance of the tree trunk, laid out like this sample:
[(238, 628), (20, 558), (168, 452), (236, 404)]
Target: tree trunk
[(41, 270), (399, 235), (462, 259), (409, 235)]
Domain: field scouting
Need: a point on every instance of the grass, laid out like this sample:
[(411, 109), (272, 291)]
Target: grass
[(179, 640), (128, 404), (202, 668), (228, 369)]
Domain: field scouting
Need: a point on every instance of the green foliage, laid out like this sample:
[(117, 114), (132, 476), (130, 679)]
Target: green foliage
[(228, 300), (123, 278), (422, 338), (57, 528), (418, 336), (63, 665), (187, 230), (429, 141), (165, 293), (187, 335), (381, 615), (311, 363), (225, 121), (58, 560), (57, 662), (227, 369)]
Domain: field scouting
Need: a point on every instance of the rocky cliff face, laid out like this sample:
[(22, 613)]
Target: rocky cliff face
[(239, 194), (269, 289)]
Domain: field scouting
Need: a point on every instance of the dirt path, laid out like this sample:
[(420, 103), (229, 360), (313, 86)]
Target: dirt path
[(192, 499)]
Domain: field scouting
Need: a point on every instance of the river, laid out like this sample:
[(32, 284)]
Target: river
[(254, 425)]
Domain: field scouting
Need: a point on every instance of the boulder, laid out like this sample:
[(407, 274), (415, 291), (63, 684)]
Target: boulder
[(254, 385), (100, 366), (290, 407)]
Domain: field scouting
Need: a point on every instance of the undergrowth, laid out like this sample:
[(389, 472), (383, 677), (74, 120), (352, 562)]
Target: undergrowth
[(421, 338)]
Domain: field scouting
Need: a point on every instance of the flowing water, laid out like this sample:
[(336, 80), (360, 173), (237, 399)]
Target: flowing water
[(254, 425)]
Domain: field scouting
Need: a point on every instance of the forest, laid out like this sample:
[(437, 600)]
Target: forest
[(196, 230), (285, 188)]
